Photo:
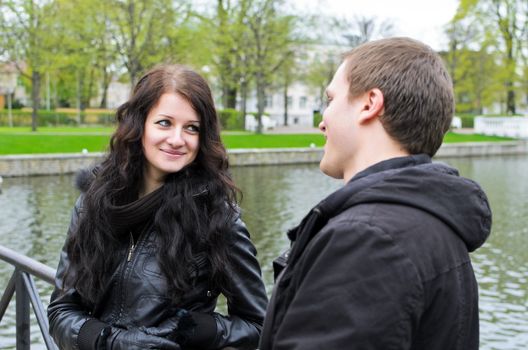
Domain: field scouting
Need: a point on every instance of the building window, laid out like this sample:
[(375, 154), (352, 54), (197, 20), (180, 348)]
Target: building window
[(302, 102), (269, 101), (290, 101)]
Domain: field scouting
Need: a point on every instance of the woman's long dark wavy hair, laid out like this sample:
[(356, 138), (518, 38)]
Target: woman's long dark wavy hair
[(185, 223)]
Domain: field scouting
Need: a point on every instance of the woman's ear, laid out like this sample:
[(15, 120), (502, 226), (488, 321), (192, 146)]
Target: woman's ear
[(373, 105)]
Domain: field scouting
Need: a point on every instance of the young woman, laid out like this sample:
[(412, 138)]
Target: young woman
[(156, 236)]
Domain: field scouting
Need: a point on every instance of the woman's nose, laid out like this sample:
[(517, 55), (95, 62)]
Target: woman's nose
[(176, 137)]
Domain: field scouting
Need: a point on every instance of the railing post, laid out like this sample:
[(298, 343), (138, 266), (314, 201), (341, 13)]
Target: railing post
[(22, 313)]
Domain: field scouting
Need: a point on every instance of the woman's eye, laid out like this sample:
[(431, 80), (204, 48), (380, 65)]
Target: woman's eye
[(165, 123), (193, 128), (328, 100)]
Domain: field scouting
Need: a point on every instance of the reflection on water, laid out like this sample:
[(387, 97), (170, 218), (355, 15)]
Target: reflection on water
[(34, 215)]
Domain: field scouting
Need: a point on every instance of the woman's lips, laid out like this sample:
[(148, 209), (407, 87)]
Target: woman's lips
[(172, 152)]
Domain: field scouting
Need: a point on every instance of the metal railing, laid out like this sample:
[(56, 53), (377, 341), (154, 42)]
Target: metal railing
[(22, 283), (502, 126)]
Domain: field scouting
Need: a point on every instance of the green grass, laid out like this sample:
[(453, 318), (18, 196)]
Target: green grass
[(57, 130), (454, 138), (28, 144), (72, 140), (272, 140)]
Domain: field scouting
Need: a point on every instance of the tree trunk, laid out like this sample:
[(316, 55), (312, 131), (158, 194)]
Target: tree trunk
[(132, 75), (285, 103), (35, 97), (87, 96), (511, 64), (231, 98), (510, 99), (133, 71), (106, 84), (261, 101), (243, 107), (80, 87)]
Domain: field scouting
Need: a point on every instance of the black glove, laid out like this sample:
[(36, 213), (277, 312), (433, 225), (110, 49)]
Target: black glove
[(136, 339), (176, 328)]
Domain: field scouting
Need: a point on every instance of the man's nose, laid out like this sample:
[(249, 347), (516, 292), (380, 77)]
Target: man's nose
[(322, 126)]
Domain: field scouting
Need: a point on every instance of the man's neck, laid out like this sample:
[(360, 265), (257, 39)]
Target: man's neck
[(376, 148)]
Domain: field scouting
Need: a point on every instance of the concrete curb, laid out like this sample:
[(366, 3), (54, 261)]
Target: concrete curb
[(51, 164)]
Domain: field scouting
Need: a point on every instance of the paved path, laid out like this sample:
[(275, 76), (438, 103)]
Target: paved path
[(466, 131), (293, 129), (303, 129)]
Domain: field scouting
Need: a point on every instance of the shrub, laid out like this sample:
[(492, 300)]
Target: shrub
[(55, 118), (231, 119), (45, 118), (106, 118), (317, 118), (48, 118), (467, 120)]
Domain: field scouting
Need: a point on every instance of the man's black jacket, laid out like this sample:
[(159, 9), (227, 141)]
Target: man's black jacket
[(383, 263)]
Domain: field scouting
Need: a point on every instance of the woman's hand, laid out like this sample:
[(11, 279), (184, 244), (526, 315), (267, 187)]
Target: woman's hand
[(175, 328), (137, 339)]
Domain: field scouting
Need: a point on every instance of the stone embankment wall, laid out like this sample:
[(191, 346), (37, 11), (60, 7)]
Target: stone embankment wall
[(48, 164)]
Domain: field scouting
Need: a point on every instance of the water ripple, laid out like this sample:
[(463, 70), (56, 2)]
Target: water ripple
[(34, 216)]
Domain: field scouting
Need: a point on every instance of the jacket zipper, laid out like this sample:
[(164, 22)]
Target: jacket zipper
[(132, 247), (130, 255)]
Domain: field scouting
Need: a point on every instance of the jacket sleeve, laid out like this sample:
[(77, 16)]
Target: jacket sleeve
[(66, 311), (354, 288), (246, 303)]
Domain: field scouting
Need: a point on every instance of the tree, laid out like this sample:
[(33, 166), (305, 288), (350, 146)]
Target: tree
[(27, 26), (506, 22), (320, 71), (361, 29), (229, 47), (272, 44), (83, 48), (286, 78), (143, 31), (472, 65)]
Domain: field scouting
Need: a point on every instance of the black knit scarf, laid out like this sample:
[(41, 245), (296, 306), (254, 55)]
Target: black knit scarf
[(132, 216)]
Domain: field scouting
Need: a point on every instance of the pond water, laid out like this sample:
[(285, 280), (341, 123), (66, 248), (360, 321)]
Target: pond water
[(35, 211)]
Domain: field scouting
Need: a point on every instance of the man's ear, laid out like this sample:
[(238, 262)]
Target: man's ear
[(373, 105)]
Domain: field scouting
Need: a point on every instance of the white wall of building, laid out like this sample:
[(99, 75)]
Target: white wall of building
[(118, 94), (301, 104)]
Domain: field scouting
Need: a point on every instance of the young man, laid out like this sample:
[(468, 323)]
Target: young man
[(383, 262)]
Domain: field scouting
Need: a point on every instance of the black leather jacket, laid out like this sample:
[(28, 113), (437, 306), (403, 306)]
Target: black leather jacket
[(137, 294)]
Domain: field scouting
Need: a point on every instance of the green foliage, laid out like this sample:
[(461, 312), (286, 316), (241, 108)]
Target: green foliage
[(467, 120), (486, 40), (231, 119), (23, 118), (54, 118), (16, 104), (317, 118), (82, 45)]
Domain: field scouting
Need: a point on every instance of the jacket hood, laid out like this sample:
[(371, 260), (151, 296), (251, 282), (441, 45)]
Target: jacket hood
[(432, 187), (84, 178)]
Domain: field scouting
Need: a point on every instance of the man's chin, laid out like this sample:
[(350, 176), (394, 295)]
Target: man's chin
[(328, 171)]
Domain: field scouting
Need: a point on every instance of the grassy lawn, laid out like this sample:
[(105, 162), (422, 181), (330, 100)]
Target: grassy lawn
[(72, 140), (454, 138), (56, 130)]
